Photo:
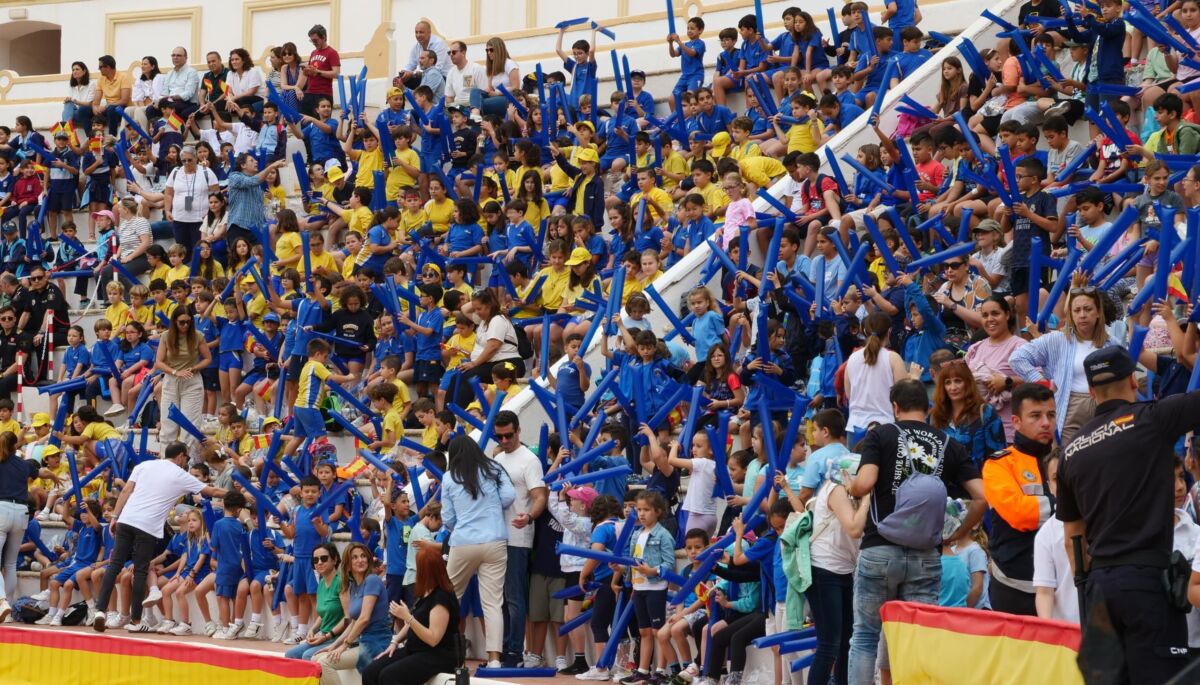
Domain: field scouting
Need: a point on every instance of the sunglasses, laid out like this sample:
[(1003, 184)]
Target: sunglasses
[(953, 265), (491, 49), (1085, 290), (184, 322), (321, 559), (8, 318), (503, 436), (452, 52)]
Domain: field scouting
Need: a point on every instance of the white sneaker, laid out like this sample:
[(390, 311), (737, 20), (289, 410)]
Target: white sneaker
[(252, 631), (45, 620), (294, 639), (115, 410), (494, 663), (152, 596), (278, 631), (533, 661), (184, 628), (57, 620), (35, 566), (166, 627), (41, 596), (43, 515), (119, 621), (222, 633), (210, 628), (5, 611), (139, 627), (594, 673), (233, 631), (91, 615), (560, 662)]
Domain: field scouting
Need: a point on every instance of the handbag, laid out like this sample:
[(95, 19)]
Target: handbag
[(462, 675)]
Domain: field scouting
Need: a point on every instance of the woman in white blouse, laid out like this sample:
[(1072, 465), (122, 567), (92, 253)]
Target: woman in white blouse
[(502, 70), (245, 82), (147, 90), (77, 106)]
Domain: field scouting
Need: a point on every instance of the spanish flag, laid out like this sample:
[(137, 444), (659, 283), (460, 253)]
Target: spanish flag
[(37, 657), (95, 144), (353, 469), (175, 121), (63, 127), (261, 441), (932, 644), (1175, 286)]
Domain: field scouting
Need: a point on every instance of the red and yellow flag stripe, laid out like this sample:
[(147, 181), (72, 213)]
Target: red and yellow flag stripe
[(48, 657), (932, 644)]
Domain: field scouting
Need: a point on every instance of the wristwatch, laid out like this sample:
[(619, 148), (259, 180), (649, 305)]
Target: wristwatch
[(1008, 383)]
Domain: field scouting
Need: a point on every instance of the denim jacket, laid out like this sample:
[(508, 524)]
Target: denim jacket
[(659, 551)]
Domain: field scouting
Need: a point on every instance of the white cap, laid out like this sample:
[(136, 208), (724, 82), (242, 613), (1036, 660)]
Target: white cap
[(331, 163)]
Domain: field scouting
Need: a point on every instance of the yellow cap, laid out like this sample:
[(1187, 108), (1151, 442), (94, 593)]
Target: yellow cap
[(335, 174), (50, 451), (394, 91), (720, 143), (586, 123), (587, 155), (40, 419), (579, 255), (269, 420)]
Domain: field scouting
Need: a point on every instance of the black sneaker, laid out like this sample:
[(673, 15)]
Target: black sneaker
[(578, 666), (636, 678)]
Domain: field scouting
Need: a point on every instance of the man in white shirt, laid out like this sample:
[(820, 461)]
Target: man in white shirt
[(464, 77), (137, 523), (525, 472), (181, 85), (410, 73)]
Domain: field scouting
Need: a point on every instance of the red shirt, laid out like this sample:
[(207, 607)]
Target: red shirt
[(932, 172), (26, 189), (324, 59)]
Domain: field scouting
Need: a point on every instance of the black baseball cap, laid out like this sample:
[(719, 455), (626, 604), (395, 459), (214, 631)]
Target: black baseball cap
[(1108, 365)]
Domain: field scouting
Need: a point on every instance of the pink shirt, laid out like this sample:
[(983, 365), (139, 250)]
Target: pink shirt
[(986, 358), (737, 214)]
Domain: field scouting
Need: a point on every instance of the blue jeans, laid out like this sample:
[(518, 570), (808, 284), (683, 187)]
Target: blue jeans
[(885, 573), (516, 600), (305, 651), (831, 596)]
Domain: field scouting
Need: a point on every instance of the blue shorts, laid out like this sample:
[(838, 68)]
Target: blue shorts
[(227, 584), (253, 377), (309, 424), (60, 201), (429, 162), (303, 580), (686, 83), (295, 366), (99, 191), (427, 371), (260, 576), (359, 358), (449, 380), (230, 360), (211, 378), (69, 572)]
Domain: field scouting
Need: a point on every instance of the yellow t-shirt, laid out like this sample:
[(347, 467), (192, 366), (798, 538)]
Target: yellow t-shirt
[(559, 180), (429, 436), (510, 178), (466, 342), (111, 89), (410, 222), (645, 160), (745, 150), (276, 193), (675, 164), (632, 285), (63, 471), (534, 214), (531, 310), (439, 214), (714, 197), (143, 315), (311, 387), (878, 269), (257, 309), (368, 164), (160, 272), (555, 286), (581, 196), (118, 314), (11, 426), (322, 261), (100, 431), (287, 246), (360, 221), (800, 137), (178, 273), (397, 176), (394, 424), (656, 196), (166, 309), (403, 398), (571, 295), (760, 170), (348, 264)]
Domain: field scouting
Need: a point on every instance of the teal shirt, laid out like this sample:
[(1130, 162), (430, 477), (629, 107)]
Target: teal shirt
[(329, 606)]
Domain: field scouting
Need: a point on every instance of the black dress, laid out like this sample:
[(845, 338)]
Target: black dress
[(417, 662)]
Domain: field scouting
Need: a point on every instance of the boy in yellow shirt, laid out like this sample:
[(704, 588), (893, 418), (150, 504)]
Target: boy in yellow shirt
[(424, 410), (179, 271), (389, 371), (405, 171), (805, 135), (659, 204), (743, 147), (413, 218), (117, 312), (370, 158), (382, 395), (310, 388), (7, 423), (162, 304), (142, 313), (715, 199)]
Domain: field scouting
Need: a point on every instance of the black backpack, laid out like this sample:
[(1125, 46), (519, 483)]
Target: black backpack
[(76, 614), (524, 348)]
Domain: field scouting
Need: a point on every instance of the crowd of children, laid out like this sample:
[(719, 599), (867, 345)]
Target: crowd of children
[(423, 231)]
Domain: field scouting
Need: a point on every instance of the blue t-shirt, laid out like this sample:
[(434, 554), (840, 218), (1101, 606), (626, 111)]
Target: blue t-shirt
[(137, 353), (459, 238), (905, 16), (816, 468), (907, 62), (876, 75), (707, 329), (87, 546), (649, 238), (104, 353), (728, 60), (378, 235), (233, 336), (307, 538), (956, 582), (74, 356), (582, 76), (716, 121), (325, 146), (429, 347), (521, 235), (372, 586), (195, 550), (618, 146), (568, 384), (262, 558), (820, 60), (783, 46), (605, 534), (753, 54), (396, 532), (228, 539), (692, 67)]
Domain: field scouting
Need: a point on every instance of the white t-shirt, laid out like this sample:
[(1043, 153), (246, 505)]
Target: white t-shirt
[(699, 499), (792, 190), (831, 548), (1079, 378), (525, 472), (498, 328), (641, 582), (460, 82), (249, 83), (502, 79), (195, 185), (160, 484), (1052, 569)]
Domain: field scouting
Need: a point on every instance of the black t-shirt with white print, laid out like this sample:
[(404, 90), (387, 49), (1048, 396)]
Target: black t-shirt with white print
[(882, 447)]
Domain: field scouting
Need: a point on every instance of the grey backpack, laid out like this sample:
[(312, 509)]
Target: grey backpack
[(916, 522)]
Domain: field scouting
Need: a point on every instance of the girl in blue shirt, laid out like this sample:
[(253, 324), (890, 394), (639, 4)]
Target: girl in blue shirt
[(518, 239), (137, 359), (87, 552), (604, 512), (464, 238), (76, 361), (708, 326), (620, 217), (192, 569)]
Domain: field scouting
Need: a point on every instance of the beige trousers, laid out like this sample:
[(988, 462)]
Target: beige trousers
[(490, 561), (1081, 408), (330, 667)]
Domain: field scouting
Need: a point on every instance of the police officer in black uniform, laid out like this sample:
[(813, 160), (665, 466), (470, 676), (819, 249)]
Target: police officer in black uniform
[(41, 297), (1116, 490), (11, 342)]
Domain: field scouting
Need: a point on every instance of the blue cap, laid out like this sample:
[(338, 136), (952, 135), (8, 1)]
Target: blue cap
[(271, 316)]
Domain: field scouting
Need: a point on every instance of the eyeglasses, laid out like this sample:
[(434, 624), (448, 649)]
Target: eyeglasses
[(503, 436), (321, 559), (1085, 290)]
